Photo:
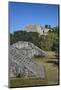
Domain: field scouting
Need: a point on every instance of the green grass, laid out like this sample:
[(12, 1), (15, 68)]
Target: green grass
[(51, 73), (26, 82), (51, 70)]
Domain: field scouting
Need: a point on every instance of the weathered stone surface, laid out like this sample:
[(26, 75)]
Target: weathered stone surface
[(20, 60), (37, 28)]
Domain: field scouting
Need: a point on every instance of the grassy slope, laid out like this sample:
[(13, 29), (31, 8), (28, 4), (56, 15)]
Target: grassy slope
[(51, 73), (50, 68)]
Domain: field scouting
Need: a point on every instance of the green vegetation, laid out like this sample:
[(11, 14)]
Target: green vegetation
[(48, 26), (48, 42), (51, 73), (26, 82), (50, 67)]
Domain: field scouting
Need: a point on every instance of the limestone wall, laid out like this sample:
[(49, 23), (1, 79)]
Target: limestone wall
[(20, 60)]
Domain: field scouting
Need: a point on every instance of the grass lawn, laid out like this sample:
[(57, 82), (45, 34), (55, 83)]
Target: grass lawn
[(51, 73)]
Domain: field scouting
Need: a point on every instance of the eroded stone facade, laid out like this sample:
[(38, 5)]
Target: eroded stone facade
[(21, 63)]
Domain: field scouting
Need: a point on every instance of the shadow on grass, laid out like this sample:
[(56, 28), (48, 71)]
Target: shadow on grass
[(53, 62), (53, 58)]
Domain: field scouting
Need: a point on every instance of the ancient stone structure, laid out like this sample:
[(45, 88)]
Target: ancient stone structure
[(37, 28), (21, 63)]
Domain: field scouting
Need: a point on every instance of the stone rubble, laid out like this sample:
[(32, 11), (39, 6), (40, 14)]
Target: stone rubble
[(20, 60)]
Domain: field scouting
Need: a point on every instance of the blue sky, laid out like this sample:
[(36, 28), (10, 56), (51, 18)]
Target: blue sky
[(23, 14)]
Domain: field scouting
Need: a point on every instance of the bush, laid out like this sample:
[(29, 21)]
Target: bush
[(48, 42)]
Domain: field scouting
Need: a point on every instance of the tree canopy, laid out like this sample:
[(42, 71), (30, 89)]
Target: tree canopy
[(46, 42)]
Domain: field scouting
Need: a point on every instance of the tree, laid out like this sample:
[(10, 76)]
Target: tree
[(48, 42), (49, 26), (12, 39), (46, 26)]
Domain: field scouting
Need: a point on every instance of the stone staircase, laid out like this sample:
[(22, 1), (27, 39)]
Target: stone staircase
[(22, 58)]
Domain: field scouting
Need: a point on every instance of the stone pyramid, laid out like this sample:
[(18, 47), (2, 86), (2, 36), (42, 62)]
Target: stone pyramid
[(21, 63)]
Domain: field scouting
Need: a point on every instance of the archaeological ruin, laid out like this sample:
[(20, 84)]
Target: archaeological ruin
[(21, 63)]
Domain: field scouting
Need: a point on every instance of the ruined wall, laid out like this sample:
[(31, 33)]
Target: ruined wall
[(20, 60)]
